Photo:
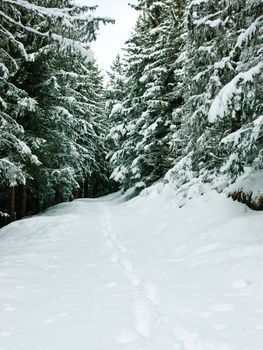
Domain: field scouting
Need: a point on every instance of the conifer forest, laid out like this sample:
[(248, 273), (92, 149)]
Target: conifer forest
[(131, 200), (185, 101)]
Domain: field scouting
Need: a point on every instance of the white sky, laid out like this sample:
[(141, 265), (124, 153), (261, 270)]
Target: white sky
[(112, 37)]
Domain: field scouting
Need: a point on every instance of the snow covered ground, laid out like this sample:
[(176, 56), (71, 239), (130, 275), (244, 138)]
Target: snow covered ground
[(153, 273)]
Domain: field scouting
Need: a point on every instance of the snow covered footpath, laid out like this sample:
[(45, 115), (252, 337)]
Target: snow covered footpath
[(140, 275)]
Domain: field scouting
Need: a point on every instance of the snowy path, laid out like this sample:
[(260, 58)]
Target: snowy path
[(143, 275)]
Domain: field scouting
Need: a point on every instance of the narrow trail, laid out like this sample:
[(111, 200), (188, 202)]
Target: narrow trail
[(101, 274), (146, 328)]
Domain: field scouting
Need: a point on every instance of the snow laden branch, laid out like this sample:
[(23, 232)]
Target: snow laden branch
[(220, 104), (248, 33), (64, 42), (68, 14), (71, 27), (55, 12)]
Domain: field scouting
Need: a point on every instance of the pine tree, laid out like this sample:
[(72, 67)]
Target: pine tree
[(115, 90), (145, 138), (221, 117), (45, 113), (237, 107), (192, 94), (115, 95)]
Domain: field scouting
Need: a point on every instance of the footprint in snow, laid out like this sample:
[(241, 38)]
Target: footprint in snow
[(222, 307), (133, 278), (127, 337), (9, 308), (113, 237), (219, 327), (207, 248), (122, 248), (104, 224), (5, 334), (111, 285), (109, 243), (127, 265), (205, 315), (48, 321), (152, 293), (21, 287), (239, 284), (114, 258), (142, 317)]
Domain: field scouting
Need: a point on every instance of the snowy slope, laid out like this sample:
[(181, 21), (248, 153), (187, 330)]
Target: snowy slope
[(149, 274)]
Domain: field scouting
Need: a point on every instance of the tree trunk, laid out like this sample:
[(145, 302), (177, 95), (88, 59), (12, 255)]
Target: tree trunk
[(83, 189), (58, 198), (90, 187), (23, 201), (12, 196)]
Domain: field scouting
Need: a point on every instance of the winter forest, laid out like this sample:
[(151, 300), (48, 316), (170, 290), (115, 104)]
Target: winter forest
[(175, 131), (185, 102)]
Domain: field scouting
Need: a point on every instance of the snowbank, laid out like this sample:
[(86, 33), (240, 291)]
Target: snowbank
[(170, 269)]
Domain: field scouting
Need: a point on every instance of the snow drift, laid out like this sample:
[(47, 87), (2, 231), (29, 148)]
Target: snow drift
[(161, 271)]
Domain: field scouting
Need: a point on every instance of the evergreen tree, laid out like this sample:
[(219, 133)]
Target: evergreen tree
[(115, 90), (192, 94), (48, 107), (222, 123), (146, 114), (115, 95)]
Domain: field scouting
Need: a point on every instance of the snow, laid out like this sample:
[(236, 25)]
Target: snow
[(197, 2), (65, 43), (223, 63), (232, 159), (215, 23), (63, 13), (4, 106), (143, 274), (4, 70), (11, 172), (250, 182), (220, 104), (257, 126), (248, 33), (28, 103), (24, 147), (253, 128), (119, 172), (117, 108), (208, 48)]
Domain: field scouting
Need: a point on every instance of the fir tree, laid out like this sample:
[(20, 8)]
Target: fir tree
[(223, 73), (144, 153), (46, 112), (192, 94)]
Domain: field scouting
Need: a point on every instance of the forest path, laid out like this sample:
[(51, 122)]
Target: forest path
[(66, 283), (102, 274), (145, 327), (58, 287)]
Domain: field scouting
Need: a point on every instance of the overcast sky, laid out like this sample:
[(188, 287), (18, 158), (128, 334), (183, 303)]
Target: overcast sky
[(112, 36)]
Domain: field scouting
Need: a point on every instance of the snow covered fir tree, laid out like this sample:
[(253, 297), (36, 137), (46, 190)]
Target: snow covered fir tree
[(52, 118), (183, 104), (192, 97)]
